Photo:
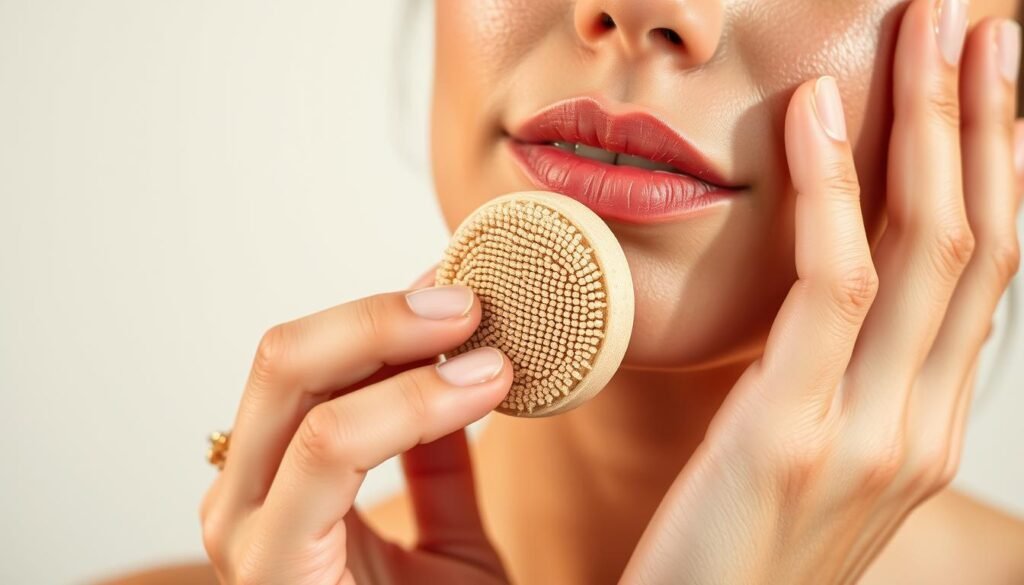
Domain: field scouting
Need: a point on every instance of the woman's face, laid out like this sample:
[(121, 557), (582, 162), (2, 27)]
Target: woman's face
[(709, 282)]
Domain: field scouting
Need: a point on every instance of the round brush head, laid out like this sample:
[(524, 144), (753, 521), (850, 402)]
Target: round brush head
[(555, 294)]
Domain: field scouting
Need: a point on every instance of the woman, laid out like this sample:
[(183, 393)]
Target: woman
[(792, 403)]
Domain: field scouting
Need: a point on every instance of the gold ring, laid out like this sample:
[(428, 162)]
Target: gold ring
[(218, 451)]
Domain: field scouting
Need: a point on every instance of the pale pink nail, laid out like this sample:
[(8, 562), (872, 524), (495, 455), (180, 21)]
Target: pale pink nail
[(1008, 49), (473, 367), (440, 302), (951, 28), (829, 107)]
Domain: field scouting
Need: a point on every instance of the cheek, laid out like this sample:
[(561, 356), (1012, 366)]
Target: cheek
[(709, 290), (478, 45), (491, 35), (706, 292), (730, 291), (808, 38), (852, 40)]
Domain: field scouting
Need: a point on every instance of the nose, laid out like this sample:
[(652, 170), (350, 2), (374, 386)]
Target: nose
[(687, 29)]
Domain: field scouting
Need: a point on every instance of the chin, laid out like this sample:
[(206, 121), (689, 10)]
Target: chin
[(685, 341)]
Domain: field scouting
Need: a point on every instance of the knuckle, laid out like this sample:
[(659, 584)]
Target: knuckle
[(1005, 259), (929, 470), (841, 178), (801, 455), (369, 314), (875, 458), (944, 107), (271, 357), (802, 466), (954, 247), (210, 501), (317, 442), (413, 391), (854, 290), (214, 533), (876, 468)]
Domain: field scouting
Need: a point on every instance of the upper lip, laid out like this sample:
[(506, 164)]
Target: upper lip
[(583, 120)]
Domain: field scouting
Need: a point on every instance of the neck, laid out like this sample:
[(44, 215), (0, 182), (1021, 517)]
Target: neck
[(644, 425), (616, 454)]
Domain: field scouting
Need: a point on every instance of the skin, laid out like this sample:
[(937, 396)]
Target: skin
[(792, 402), (723, 275)]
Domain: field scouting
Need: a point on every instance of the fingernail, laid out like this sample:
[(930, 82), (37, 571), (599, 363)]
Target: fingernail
[(1008, 49), (440, 302), (473, 367), (1018, 150), (951, 28), (828, 106)]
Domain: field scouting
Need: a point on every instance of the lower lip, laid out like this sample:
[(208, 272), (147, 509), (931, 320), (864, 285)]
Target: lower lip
[(616, 192)]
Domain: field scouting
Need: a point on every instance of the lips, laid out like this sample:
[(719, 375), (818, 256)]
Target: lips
[(630, 167)]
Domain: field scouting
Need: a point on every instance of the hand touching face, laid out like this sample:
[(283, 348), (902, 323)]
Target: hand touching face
[(709, 284), (855, 413)]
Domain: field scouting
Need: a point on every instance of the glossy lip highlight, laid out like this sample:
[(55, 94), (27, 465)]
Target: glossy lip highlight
[(616, 191)]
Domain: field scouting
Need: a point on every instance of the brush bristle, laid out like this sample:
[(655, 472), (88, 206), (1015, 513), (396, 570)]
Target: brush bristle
[(542, 293)]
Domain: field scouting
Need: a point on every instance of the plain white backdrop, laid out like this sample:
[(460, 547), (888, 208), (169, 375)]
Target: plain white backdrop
[(175, 177)]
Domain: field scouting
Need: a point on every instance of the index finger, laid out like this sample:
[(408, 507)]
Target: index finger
[(813, 335), (928, 240), (300, 362), (340, 440)]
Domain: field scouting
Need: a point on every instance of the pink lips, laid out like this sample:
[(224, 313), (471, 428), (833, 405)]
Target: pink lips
[(613, 191)]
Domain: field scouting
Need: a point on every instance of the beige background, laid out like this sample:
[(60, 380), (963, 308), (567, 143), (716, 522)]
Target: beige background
[(175, 177)]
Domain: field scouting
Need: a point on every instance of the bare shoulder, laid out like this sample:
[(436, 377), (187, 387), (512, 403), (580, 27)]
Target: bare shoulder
[(950, 540), (953, 539)]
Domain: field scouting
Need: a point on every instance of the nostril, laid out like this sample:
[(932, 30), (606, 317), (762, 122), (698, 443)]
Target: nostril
[(670, 35), (606, 21)]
